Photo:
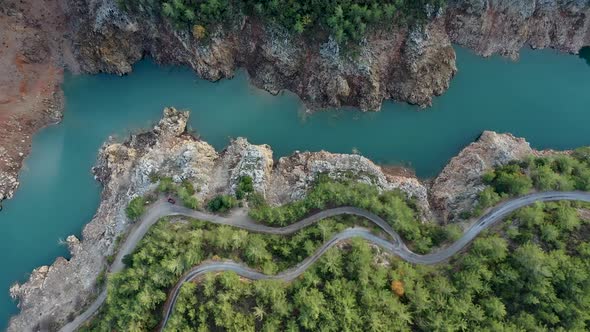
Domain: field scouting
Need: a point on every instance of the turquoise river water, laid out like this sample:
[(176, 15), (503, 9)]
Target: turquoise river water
[(544, 97)]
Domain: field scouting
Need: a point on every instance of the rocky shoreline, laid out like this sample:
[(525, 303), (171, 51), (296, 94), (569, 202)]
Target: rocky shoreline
[(91, 36), (54, 294), (505, 26)]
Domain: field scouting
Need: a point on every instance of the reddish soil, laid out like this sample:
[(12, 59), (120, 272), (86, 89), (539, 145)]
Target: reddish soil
[(33, 52)]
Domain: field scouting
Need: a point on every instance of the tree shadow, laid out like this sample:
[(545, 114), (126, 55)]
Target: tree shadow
[(585, 54)]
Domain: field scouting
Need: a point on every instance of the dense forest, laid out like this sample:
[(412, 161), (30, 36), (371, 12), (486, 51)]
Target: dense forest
[(560, 172), (393, 206), (345, 20), (531, 273), (172, 247), (533, 276)]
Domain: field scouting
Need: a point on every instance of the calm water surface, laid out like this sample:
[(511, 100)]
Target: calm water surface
[(544, 97)]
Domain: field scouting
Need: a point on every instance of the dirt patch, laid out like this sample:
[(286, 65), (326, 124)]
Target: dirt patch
[(584, 214), (32, 55), (396, 170)]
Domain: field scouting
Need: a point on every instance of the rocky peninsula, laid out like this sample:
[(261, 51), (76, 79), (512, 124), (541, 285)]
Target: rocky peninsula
[(55, 294)]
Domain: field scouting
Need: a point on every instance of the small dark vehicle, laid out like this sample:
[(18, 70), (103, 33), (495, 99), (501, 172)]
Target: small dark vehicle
[(171, 200)]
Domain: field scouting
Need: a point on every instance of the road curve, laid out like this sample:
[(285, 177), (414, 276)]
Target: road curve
[(240, 219)]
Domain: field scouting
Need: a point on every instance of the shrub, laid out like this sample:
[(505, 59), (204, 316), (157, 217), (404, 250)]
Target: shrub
[(190, 189), (582, 154), (101, 278), (245, 187), (154, 177), (221, 203), (185, 192), (166, 185), (128, 260), (135, 208), (256, 200), (191, 203)]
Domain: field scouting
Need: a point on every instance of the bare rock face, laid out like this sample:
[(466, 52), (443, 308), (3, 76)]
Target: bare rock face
[(391, 64), (294, 175), (505, 26), (244, 159), (54, 294), (457, 187)]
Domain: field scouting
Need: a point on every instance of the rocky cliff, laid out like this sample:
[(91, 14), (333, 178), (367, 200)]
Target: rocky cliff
[(457, 187), (394, 63), (505, 26)]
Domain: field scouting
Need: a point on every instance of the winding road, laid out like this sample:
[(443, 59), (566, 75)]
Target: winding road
[(240, 219)]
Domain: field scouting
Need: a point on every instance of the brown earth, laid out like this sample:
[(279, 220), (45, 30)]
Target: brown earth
[(31, 71)]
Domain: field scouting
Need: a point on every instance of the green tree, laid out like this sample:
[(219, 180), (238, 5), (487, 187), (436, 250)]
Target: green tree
[(135, 208)]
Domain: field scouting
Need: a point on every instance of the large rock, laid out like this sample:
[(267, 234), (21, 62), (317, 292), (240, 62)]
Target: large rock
[(457, 187), (294, 175), (244, 159)]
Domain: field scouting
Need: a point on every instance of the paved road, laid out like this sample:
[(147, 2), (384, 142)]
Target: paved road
[(240, 219)]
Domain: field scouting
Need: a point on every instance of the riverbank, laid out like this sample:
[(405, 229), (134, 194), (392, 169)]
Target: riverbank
[(31, 73), (54, 293), (410, 66)]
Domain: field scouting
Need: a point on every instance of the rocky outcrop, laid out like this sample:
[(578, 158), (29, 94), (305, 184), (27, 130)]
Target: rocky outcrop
[(55, 294), (244, 159), (295, 174), (505, 26), (457, 187), (30, 79), (392, 64)]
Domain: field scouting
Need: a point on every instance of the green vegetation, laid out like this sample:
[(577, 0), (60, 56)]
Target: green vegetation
[(222, 203), (561, 172), (533, 276), (166, 185), (346, 20), (101, 278), (171, 248), (393, 206), (136, 208), (185, 191), (536, 280), (245, 187), (154, 177)]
